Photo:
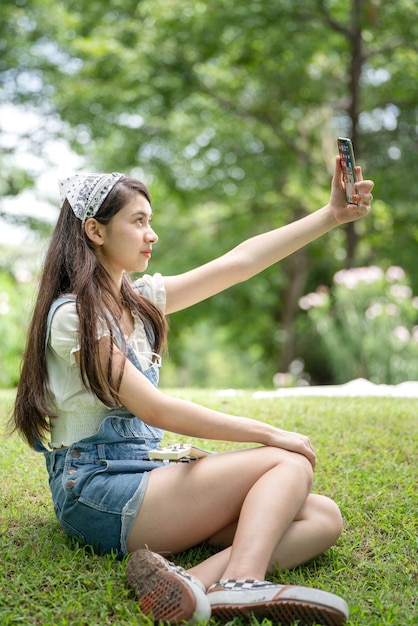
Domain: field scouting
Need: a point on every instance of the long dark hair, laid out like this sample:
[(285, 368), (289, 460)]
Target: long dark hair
[(71, 266)]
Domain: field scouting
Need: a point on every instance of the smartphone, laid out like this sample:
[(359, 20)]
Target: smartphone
[(348, 165)]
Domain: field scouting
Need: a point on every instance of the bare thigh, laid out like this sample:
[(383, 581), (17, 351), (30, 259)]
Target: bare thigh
[(187, 503)]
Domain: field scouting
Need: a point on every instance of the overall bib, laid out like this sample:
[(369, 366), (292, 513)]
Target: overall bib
[(98, 483)]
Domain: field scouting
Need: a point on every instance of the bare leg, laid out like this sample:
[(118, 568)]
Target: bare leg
[(255, 498), (316, 528)]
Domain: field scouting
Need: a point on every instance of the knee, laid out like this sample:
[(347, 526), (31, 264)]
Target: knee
[(331, 519), (303, 468), (297, 465)]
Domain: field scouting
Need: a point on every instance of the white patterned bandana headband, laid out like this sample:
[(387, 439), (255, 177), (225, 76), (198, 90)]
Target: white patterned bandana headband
[(87, 192)]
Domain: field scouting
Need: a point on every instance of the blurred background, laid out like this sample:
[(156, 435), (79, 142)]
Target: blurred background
[(229, 111)]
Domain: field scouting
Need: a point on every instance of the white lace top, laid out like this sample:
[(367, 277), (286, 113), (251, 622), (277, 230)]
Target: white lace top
[(79, 412)]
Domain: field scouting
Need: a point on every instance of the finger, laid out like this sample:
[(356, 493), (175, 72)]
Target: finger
[(363, 205), (311, 456), (363, 197), (337, 179), (310, 453), (364, 186), (359, 173), (366, 198)]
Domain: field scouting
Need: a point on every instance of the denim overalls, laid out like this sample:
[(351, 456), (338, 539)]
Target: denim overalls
[(98, 483)]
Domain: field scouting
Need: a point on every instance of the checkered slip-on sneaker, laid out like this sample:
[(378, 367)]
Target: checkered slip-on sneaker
[(166, 591), (280, 603)]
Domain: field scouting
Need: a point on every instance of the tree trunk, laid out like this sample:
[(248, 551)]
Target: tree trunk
[(296, 267)]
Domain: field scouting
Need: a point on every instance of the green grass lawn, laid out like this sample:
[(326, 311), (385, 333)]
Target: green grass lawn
[(367, 461)]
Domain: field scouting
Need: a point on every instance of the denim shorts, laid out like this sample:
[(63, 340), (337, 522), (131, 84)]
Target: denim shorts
[(98, 484)]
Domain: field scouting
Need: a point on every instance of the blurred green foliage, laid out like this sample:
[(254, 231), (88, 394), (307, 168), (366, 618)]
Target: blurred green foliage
[(16, 297), (229, 111), (366, 324)]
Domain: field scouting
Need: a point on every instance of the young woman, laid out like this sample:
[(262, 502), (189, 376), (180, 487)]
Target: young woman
[(89, 382)]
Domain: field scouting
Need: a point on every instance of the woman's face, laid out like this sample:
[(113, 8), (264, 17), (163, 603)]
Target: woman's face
[(127, 240)]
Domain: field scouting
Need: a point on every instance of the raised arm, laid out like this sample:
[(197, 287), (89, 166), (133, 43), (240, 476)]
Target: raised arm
[(257, 253)]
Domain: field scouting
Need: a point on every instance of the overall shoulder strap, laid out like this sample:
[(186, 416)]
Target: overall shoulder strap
[(130, 352)]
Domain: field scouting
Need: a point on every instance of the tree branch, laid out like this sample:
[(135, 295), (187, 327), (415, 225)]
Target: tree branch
[(390, 47), (251, 115), (328, 19)]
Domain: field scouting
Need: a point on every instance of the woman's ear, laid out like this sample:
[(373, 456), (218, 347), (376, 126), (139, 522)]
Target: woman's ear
[(94, 231)]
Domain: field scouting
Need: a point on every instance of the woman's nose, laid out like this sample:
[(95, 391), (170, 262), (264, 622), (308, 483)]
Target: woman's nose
[(152, 236)]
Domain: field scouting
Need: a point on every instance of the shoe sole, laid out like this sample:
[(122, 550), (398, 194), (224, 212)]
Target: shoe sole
[(160, 593), (286, 612)]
